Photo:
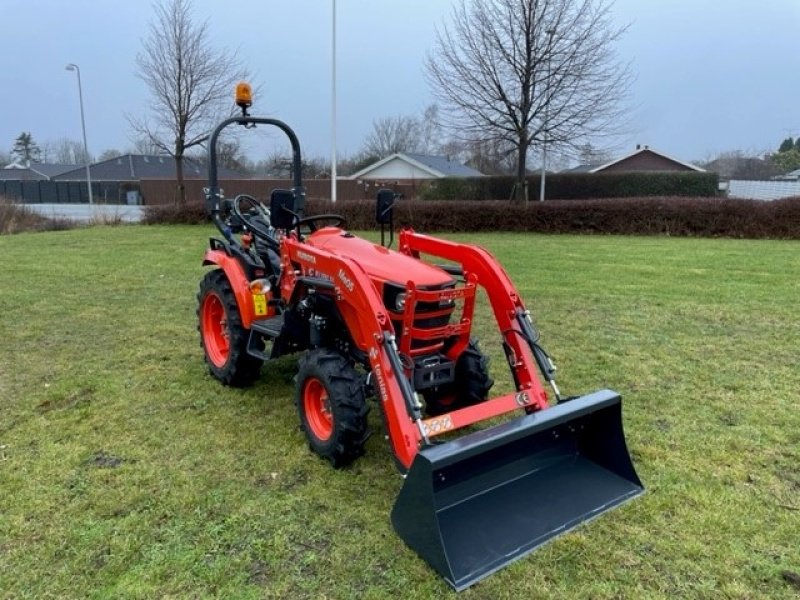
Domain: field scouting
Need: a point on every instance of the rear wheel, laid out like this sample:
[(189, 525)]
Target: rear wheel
[(331, 406), (222, 335), (471, 386)]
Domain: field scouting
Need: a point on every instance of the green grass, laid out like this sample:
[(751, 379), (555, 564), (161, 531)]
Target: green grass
[(127, 472)]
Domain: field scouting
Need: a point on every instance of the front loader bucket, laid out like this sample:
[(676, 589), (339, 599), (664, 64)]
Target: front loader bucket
[(475, 504)]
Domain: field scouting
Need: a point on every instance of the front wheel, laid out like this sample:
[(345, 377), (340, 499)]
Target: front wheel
[(331, 406), (222, 335)]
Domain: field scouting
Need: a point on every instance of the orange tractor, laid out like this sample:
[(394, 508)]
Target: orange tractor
[(375, 325)]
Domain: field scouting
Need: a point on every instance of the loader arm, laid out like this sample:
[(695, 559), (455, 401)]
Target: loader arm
[(506, 302)]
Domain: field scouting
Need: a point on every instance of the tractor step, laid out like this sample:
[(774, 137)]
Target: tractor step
[(270, 328), (266, 330)]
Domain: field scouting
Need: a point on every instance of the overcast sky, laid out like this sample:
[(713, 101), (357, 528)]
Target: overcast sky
[(712, 75)]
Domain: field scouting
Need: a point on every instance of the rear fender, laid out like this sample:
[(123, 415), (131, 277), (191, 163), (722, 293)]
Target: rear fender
[(238, 280)]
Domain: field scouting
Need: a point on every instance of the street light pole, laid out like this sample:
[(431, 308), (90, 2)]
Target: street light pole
[(74, 67), (333, 105), (550, 33)]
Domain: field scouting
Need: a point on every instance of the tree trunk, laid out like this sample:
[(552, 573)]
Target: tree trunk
[(180, 189), (521, 184)]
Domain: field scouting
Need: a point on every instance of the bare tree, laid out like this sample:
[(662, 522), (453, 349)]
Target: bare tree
[(393, 134), (108, 154), (491, 156), (526, 72), (430, 131), (404, 133), (589, 154), (190, 83), (144, 145), (738, 164), (66, 152)]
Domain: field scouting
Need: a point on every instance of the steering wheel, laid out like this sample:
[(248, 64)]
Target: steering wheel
[(338, 221), (251, 220)]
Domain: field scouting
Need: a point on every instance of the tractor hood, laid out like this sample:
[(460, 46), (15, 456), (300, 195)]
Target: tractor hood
[(377, 261)]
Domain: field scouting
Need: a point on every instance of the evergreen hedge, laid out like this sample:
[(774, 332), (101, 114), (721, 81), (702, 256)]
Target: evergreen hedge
[(702, 217), (574, 186)]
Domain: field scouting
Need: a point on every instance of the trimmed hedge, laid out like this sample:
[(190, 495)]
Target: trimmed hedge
[(577, 186), (702, 217), (192, 213)]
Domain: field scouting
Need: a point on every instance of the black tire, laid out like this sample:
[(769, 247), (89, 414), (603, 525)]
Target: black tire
[(471, 386), (232, 365), (332, 407)]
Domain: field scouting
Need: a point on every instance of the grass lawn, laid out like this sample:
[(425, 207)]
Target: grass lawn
[(127, 472)]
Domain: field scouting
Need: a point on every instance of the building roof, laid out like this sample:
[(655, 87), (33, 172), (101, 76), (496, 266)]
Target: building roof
[(52, 169), (445, 165), (581, 168), (640, 150), (17, 170), (17, 173), (437, 166), (133, 167)]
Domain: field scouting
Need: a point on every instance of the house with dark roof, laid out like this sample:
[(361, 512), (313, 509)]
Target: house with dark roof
[(642, 159), (116, 180), (135, 167), (790, 176), (404, 166), (34, 171)]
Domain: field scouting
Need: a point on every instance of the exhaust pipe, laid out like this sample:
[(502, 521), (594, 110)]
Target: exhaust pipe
[(473, 505)]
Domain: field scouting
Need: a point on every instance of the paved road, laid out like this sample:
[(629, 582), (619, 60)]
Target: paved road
[(89, 212)]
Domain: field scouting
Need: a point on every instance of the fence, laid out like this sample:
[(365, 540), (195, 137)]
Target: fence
[(763, 190), (162, 191), (65, 192)]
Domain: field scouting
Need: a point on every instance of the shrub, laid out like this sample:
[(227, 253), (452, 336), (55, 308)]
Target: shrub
[(16, 218), (577, 186), (191, 213), (707, 217)]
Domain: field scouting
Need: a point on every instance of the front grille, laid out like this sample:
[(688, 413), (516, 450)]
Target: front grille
[(427, 315)]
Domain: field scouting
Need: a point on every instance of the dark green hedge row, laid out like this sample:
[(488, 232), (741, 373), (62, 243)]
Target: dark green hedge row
[(708, 217), (574, 186)]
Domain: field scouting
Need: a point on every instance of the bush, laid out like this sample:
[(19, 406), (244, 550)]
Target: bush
[(16, 218), (191, 213), (706, 217), (577, 186)]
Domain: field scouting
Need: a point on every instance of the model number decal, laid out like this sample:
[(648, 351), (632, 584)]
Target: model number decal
[(381, 383), (437, 425), (307, 257), (348, 283)]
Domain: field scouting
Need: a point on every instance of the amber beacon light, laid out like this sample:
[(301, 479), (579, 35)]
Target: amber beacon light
[(244, 95)]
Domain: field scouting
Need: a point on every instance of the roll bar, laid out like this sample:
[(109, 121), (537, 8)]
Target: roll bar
[(213, 194)]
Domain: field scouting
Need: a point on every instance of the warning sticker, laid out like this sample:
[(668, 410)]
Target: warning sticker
[(260, 304)]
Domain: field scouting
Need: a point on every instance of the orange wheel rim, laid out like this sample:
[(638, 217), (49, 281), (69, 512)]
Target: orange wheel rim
[(317, 406), (214, 323)]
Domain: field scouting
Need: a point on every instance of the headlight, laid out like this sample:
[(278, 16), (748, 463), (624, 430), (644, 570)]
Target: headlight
[(394, 296), (400, 302)]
